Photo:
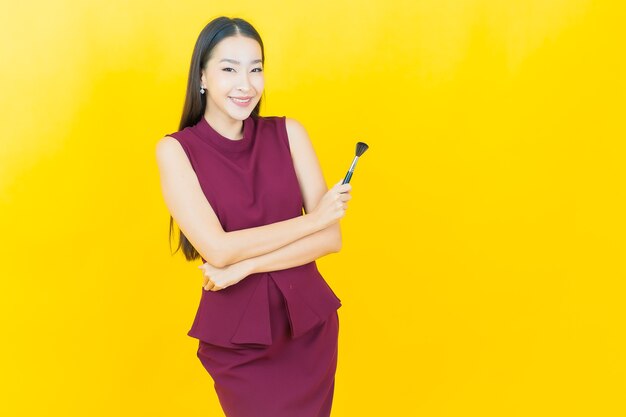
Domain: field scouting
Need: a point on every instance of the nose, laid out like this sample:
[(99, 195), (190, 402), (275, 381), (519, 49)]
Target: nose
[(244, 84)]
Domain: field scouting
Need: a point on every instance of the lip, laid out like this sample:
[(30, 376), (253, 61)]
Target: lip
[(246, 104), (241, 98)]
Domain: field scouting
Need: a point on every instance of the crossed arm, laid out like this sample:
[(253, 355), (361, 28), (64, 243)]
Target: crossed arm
[(299, 252)]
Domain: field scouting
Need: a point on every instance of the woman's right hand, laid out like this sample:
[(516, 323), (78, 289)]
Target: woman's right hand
[(333, 204)]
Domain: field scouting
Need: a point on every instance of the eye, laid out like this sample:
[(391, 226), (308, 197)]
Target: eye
[(259, 69), (227, 68)]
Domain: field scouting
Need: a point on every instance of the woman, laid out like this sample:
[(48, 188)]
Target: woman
[(236, 183)]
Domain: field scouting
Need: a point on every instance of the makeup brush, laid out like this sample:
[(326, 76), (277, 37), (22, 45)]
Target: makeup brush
[(361, 147)]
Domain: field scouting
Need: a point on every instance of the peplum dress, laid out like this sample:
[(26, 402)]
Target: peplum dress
[(270, 341)]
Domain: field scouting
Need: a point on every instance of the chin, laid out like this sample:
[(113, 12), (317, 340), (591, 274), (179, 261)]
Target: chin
[(242, 115)]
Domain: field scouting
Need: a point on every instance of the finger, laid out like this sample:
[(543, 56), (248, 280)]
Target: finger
[(216, 288), (345, 187), (205, 277), (209, 285)]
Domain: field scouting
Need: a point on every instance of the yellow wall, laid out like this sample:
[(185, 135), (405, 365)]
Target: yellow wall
[(483, 265)]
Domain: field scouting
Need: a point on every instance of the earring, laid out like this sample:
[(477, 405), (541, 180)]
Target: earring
[(201, 90)]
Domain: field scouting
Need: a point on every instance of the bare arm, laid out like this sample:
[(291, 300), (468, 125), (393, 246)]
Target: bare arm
[(196, 218), (300, 252), (296, 253)]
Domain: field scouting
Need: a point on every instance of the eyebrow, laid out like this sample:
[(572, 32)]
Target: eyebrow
[(237, 62)]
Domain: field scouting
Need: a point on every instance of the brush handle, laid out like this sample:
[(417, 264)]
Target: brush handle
[(347, 177)]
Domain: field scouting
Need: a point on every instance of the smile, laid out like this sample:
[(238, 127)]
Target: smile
[(241, 102)]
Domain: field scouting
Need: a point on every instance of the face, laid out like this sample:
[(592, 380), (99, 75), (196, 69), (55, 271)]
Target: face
[(235, 70)]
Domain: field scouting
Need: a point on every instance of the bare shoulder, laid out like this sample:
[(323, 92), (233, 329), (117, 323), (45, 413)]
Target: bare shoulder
[(296, 132), (169, 147), (167, 142), (293, 123)]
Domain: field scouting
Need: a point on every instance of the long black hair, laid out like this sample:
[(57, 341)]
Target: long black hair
[(195, 103)]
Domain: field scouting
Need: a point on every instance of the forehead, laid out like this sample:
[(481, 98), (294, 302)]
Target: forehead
[(239, 48)]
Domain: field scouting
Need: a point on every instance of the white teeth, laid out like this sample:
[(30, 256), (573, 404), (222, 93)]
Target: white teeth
[(241, 101)]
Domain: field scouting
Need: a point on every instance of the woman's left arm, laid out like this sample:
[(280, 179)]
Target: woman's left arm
[(300, 252)]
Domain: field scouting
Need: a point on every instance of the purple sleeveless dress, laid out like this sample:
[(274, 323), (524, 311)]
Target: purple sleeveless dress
[(269, 342)]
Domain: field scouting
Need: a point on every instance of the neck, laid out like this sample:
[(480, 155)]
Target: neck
[(226, 126)]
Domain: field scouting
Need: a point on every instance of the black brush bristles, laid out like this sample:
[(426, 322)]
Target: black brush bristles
[(361, 147)]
